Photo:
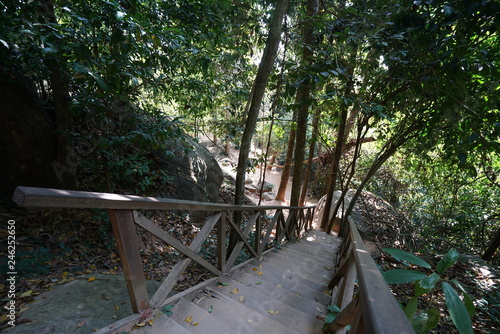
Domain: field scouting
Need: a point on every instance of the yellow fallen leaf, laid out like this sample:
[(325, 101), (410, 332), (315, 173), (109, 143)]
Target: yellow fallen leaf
[(91, 279), (271, 312), (241, 299), (64, 275), (260, 266), (189, 319), (327, 292), (235, 291), (151, 322), (260, 273), (255, 269), (328, 268), (116, 307)]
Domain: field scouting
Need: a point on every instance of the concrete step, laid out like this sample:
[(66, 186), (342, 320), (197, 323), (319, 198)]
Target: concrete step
[(268, 306), (236, 315)]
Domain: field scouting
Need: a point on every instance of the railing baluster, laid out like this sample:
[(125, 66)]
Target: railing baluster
[(122, 222), (258, 231), (221, 241)]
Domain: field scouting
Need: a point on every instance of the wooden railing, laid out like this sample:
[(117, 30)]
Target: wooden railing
[(286, 222), (372, 308)]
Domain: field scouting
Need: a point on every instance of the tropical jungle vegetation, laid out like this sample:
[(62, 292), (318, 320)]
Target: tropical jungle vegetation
[(399, 98)]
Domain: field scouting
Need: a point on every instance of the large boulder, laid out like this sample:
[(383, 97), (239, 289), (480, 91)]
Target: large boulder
[(196, 175)]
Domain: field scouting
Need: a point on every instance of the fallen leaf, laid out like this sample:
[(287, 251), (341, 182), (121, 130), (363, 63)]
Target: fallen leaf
[(116, 307), (141, 324), (241, 299), (91, 279), (26, 294), (81, 323), (105, 297), (279, 286), (189, 319), (255, 269), (151, 322), (260, 266), (260, 273), (319, 310), (327, 292), (64, 275), (328, 268), (210, 309), (259, 282), (196, 324), (235, 291), (271, 312)]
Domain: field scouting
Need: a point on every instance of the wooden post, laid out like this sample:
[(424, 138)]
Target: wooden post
[(221, 241), (122, 222), (258, 231)]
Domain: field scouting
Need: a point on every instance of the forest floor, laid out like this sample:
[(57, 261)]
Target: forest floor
[(56, 247)]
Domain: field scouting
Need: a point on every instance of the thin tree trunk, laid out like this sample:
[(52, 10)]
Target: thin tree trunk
[(302, 99), (312, 145), (285, 174), (493, 247), (265, 68)]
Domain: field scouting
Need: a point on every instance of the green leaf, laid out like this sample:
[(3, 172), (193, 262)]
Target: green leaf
[(420, 323), (457, 310), (330, 317), (210, 309), (433, 318), (419, 291), (333, 308), (449, 259), (403, 256), (469, 305), (411, 307), (430, 281), (400, 276), (167, 310)]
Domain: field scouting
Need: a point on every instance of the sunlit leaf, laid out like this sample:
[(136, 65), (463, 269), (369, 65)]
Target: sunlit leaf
[(235, 291), (469, 305), (189, 319), (430, 281), (260, 273), (91, 279), (449, 259), (400, 276), (457, 310), (403, 256)]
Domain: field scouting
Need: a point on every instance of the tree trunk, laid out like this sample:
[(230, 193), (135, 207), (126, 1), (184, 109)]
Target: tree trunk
[(493, 247), (302, 99), (265, 68), (65, 165), (266, 65), (312, 145), (285, 174)]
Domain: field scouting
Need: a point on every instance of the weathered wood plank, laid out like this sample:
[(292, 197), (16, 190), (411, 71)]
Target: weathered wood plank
[(59, 198), (181, 266), (151, 227), (345, 317), (242, 235), (122, 222)]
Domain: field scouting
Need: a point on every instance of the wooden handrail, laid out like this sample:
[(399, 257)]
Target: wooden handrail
[(124, 220), (375, 310), (58, 198)]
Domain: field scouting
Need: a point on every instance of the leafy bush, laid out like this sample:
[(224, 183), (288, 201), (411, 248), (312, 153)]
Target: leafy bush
[(423, 321)]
